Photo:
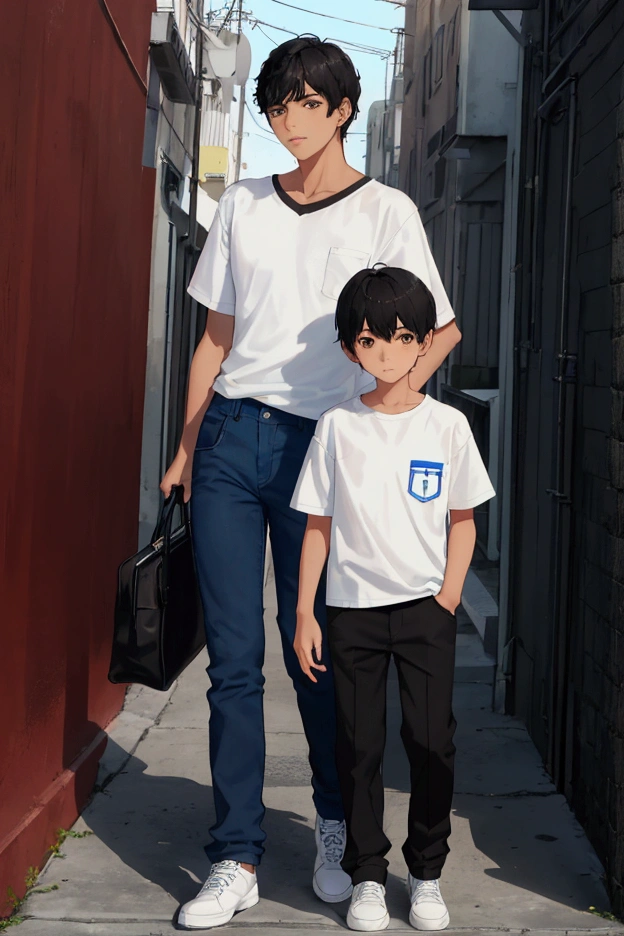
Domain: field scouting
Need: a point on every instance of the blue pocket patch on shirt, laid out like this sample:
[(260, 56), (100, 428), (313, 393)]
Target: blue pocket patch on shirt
[(425, 480)]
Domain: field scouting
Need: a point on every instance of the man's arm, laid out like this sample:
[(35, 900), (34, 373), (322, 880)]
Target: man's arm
[(314, 552), (210, 354), (461, 542), (444, 340)]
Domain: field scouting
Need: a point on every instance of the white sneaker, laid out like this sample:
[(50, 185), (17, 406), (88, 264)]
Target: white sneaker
[(330, 882), (428, 910), (368, 912), (229, 888)]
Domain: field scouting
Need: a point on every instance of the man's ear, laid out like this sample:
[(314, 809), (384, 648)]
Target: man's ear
[(345, 109), (352, 357)]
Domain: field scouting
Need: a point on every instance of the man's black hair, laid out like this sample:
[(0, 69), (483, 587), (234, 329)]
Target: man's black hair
[(381, 296), (323, 65)]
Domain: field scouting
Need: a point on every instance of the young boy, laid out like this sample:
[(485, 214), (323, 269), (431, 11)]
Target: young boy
[(384, 475)]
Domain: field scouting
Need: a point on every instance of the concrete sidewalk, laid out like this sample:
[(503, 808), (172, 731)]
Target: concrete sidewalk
[(519, 863)]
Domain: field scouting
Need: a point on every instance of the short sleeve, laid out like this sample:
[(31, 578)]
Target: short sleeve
[(314, 493), (469, 483), (212, 283), (409, 249)]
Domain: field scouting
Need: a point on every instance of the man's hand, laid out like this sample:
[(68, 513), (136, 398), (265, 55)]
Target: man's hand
[(179, 472), (308, 638)]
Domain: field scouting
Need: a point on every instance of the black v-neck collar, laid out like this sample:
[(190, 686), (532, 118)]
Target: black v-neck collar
[(316, 206)]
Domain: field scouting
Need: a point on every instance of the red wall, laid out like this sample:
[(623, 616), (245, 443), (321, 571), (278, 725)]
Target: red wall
[(75, 240)]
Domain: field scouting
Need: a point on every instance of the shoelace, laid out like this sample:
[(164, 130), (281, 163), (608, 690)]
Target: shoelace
[(333, 837), (221, 874), (369, 891), (428, 890)]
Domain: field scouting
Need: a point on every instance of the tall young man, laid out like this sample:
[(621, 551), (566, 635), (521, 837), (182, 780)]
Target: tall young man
[(278, 254)]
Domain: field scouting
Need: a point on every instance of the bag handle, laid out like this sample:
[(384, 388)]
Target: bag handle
[(162, 533), (165, 517)]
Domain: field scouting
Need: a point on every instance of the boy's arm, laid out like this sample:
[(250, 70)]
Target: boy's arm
[(444, 340), (314, 552), (461, 542)]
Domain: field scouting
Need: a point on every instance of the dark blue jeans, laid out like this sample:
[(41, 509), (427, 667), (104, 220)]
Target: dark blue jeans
[(246, 465)]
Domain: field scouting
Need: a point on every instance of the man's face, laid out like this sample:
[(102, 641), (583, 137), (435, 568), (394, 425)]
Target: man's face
[(304, 127), (389, 361)]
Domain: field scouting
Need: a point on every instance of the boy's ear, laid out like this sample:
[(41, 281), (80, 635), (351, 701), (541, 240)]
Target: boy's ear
[(427, 341), (352, 357)]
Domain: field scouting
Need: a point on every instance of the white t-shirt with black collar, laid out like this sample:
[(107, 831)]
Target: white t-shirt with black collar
[(279, 268), (388, 481)]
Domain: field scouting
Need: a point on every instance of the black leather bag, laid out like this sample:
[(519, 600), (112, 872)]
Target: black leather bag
[(159, 626)]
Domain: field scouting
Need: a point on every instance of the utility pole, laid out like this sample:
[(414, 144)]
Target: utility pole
[(241, 104), (199, 65)]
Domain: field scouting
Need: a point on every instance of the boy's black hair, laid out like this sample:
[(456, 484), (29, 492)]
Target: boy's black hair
[(323, 65), (381, 296)]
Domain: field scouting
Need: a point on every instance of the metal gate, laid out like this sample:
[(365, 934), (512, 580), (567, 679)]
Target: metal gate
[(546, 374)]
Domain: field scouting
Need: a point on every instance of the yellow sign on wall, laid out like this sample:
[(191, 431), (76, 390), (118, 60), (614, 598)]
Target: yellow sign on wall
[(213, 160)]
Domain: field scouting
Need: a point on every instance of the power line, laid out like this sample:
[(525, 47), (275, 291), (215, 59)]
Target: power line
[(122, 45), (253, 117), (358, 47), (252, 19), (266, 139), (329, 16), (266, 35)]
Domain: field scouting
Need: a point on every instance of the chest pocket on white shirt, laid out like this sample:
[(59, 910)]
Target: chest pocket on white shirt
[(425, 480), (342, 264)]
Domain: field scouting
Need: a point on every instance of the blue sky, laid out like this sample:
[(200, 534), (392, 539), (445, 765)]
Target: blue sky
[(261, 151)]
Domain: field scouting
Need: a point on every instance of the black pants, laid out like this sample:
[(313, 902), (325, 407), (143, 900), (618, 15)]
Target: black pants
[(421, 636)]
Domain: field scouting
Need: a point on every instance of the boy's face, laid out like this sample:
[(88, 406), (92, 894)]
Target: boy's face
[(388, 361), (304, 127)]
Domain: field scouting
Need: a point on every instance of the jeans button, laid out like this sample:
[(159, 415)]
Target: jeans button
[(267, 415)]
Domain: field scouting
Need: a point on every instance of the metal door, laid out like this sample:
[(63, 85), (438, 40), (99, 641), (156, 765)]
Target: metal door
[(546, 416)]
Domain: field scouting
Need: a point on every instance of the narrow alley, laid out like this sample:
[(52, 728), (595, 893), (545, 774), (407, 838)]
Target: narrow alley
[(519, 862)]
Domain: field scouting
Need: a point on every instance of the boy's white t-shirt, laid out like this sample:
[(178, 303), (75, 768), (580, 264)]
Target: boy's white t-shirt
[(279, 268), (388, 481)]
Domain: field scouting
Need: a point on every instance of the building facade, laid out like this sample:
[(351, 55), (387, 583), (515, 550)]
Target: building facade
[(567, 596), (513, 147), (194, 151), (77, 211), (458, 161)]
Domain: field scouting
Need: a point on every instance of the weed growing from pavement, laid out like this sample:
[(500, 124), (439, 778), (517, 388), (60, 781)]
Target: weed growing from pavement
[(14, 902), (61, 836), (604, 914)]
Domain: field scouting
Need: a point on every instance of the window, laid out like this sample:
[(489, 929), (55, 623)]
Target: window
[(438, 55), (452, 34), (426, 88)]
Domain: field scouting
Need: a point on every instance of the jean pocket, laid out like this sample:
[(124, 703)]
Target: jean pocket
[(211, 430)]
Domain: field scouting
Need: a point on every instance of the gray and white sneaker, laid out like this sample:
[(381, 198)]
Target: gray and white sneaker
[(330, 882), (368, 912), (428, 910), (229, 888)]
